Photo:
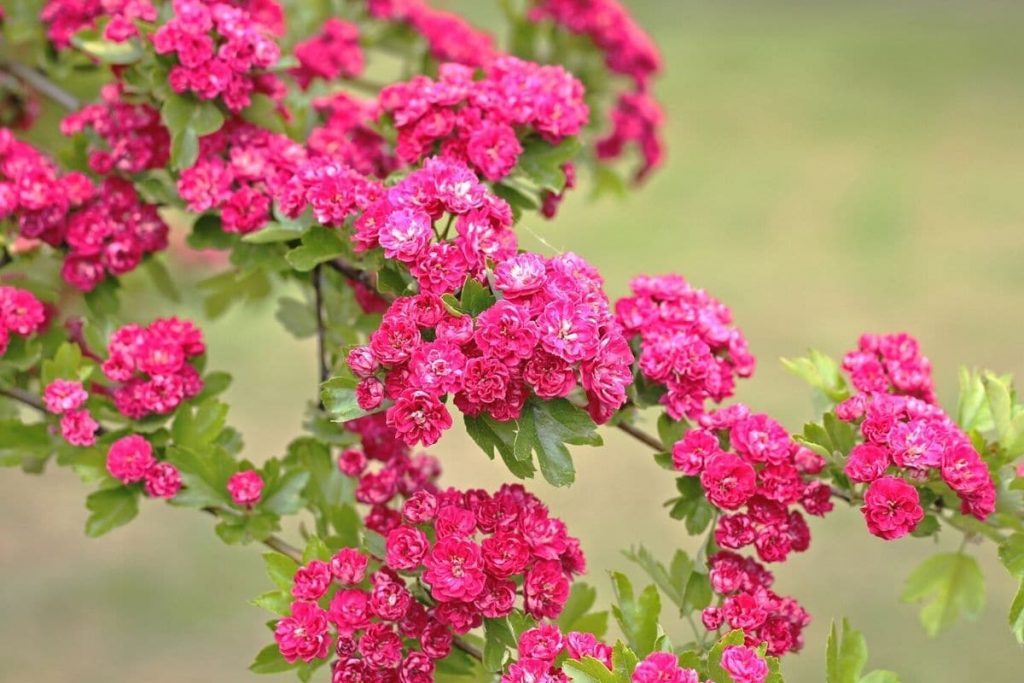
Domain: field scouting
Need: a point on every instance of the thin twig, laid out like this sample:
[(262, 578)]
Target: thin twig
[(5, 257), (321, 329), (24, 397), (353, 273), (39, 82)]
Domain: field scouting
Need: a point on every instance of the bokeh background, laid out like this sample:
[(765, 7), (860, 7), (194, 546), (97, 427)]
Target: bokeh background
[(834, 167)]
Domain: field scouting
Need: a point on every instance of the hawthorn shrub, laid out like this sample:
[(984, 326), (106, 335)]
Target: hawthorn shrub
[(394, 204)]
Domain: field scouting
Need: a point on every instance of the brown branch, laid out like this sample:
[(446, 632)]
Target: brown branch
[(5, 257), (321, 330), (39, 82), (24, 397), (352, 273)]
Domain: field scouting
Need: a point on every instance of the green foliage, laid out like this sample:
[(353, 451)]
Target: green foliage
[(318, 246), (338, 395), (715, 671), (949, 584), (188, 119), (847, 654), (577, 615), (93, 44), (475, 298), (691, 506), (110, 508), (683, 581), (498, 640), (832, 439), (637, 615), (821, 372)]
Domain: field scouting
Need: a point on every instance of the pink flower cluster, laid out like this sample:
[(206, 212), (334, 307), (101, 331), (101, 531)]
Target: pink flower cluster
[(918, 441), (21, 313), (908, 439), (222, 51), (151, 365), (637, 119), (134, 138), (386, 471), (551, 331), (744, 665), (331, 53), (245, 488), (890, 363), (348, 136), (67, 398), (762, 470), (748, 603), (540, 647), (333, 190), (130, 460), (67, 17), (449, 37), (476, 121), (627, 48), (106, 229), (687, 340), (384, 629), (239, 168), (109, 235)]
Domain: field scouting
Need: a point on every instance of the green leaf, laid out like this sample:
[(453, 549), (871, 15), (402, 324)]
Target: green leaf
[(110, 508), (498, 437), (821, 372), (948, 584), (545, 427), (972, 411), (270, 661), (319, 244), (498, 639), (542, 162), (201, 426), (65, 364), (576, 614), (275, 602), (846, 654), (273, 233), (162, 279), (184, 149), (316, 549), (637, 615), (670, 431), (281, 569), (283, 496), (1016, 615), (880, 676), (247, 527), (297, 317), (205, 473), (263, 112), (338, 395), (1011, 554), (691, 506), (588, 670), (184, 112), (672, 582), (475, 297), (107, 51)]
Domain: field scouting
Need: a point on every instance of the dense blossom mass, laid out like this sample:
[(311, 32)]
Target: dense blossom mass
[(151, 366), (757, 480), (105, 229), (332, 53), (477, 554), (449, 37), (131, 460), (908, 439), (688, 344), (476, 121), (747, 603), (21, 314)]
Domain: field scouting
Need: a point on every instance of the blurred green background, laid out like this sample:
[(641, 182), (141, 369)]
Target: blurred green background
[(834, 167)]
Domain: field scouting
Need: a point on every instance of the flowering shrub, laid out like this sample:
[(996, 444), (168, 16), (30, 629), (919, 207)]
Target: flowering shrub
[(395, 211)]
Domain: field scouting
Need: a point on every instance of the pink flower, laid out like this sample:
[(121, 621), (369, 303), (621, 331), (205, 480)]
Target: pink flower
[(544, 642), (663, 667), (892, 508), (311, 581), (245, 487), (867, 462), (405, 234), (455, 570), (418, 417), (350, 610), (567, 331), (79, 428), (304, 634), (163, 480), (744, 664), (546, 588), (690, 453), (381, 647), (728, 481), (406, 548), (129, 458), (62, 395), (349, 566)]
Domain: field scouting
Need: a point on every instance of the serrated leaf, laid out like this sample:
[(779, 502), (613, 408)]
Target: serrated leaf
[(284, 495), (199, 425), (110, 508), (338, 395), (475, 298), (948, 584), (275, 602), (1011, 554), (545, 427), (297, 317), (880, 676), (498, 437), (281, 569), (670, 431), (205, 473), (846, 654), (107, 51), (319, 244), (498, 639), (270, 661), (715, 671), (1016, 615), (972, 412), (637, 615), (588, 670)]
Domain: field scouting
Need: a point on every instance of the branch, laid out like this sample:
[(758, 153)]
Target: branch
[(24, 397), (321, 331), (5, 257), (39, 82), (353, 273)]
